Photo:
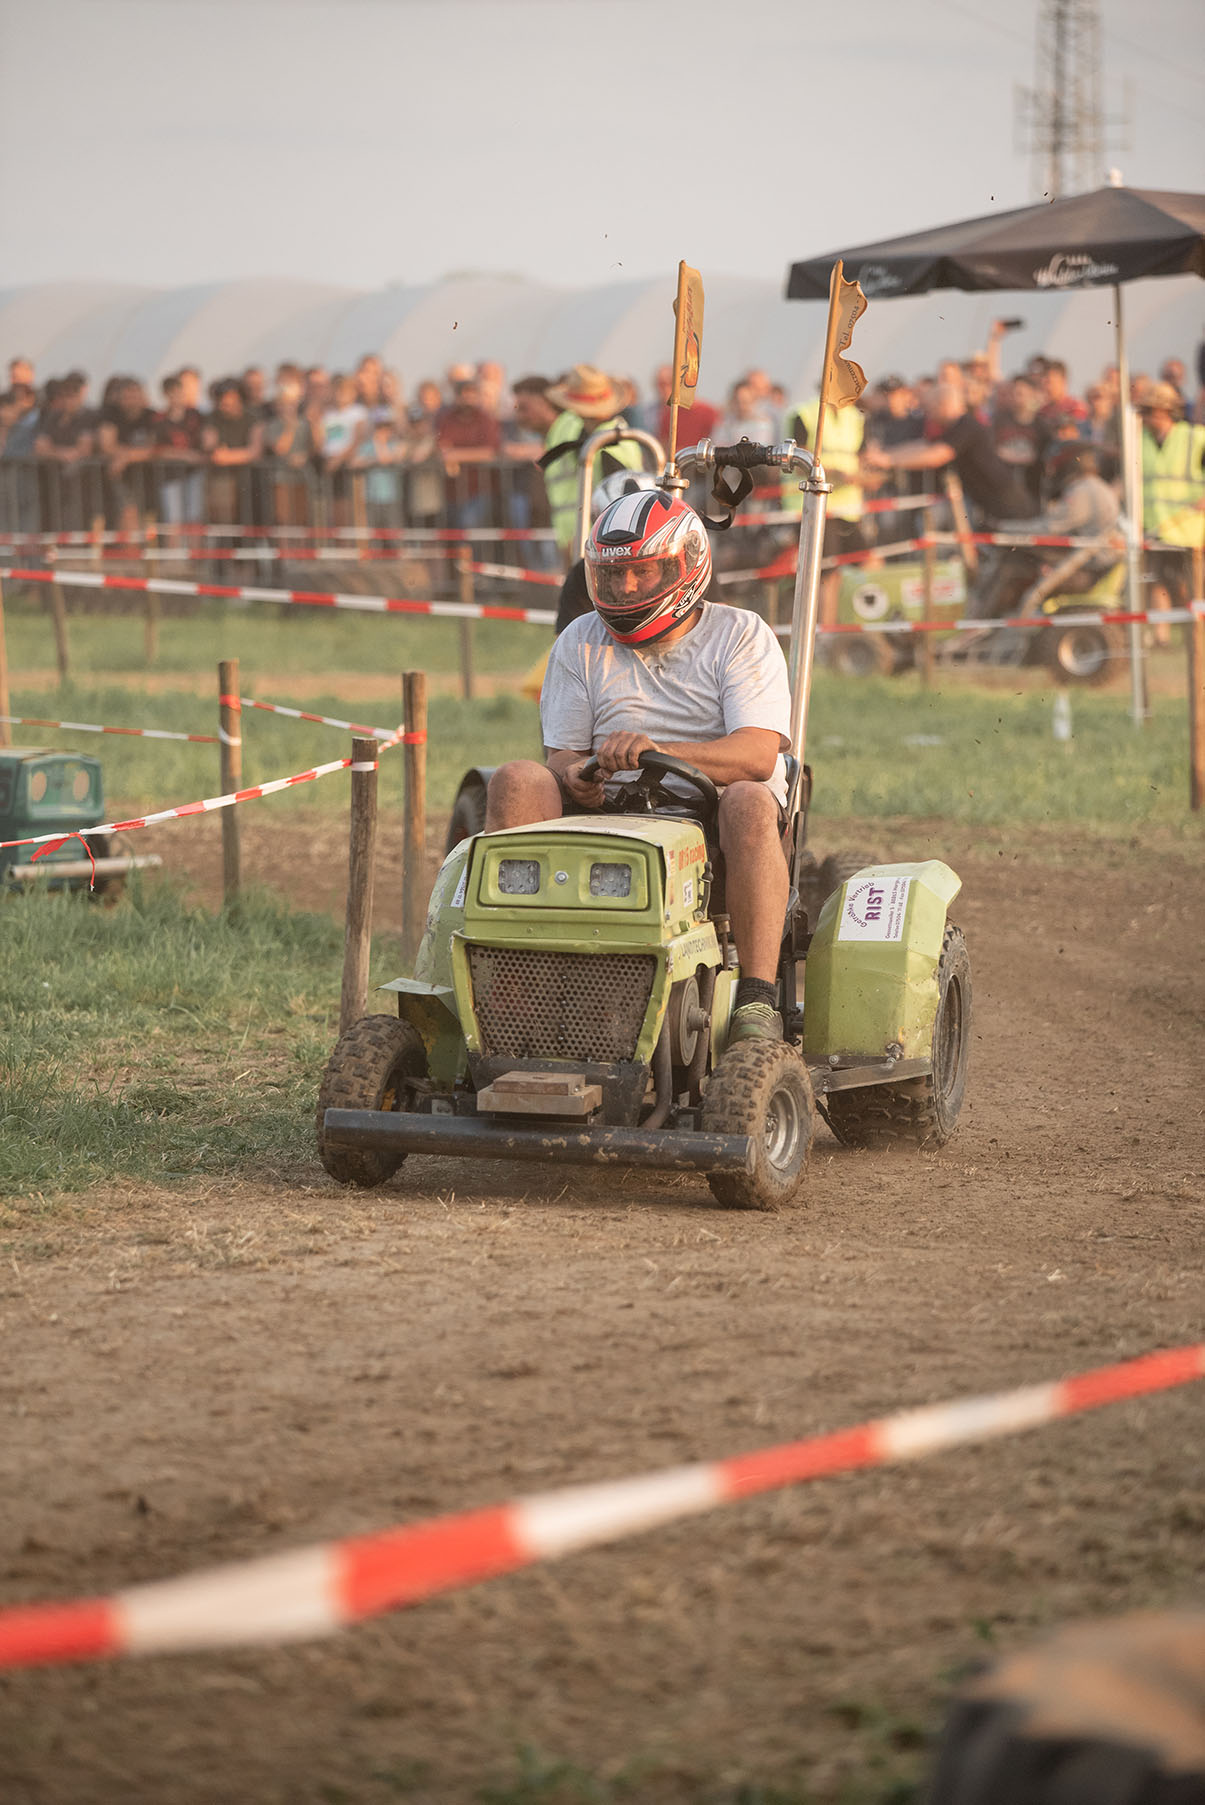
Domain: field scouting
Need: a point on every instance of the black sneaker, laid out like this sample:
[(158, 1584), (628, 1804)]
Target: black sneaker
[(754, 1021)]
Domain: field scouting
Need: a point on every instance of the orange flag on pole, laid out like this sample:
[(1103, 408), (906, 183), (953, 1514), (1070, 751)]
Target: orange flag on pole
[(688, 346), (841, 380)]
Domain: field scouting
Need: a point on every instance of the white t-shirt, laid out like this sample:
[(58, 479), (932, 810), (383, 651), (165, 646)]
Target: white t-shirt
[(727, 672), (340, 425)]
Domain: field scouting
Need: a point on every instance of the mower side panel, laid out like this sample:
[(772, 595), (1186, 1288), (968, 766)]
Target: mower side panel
[(870, 981)]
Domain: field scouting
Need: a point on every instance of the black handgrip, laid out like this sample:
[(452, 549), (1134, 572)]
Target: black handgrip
[(745, 456)]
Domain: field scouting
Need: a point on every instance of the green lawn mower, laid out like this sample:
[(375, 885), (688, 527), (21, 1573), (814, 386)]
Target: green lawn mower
[(43, 791), (571, 996)]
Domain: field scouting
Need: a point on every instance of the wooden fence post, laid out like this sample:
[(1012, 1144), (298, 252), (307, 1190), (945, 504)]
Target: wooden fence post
[(925, 661), (464, 578), (6, 738), (770, 603), (962, 520), (1195, 637), (414, 849), (98, 533), (361, 856), (230, 754), (58, 620), (150, 528)]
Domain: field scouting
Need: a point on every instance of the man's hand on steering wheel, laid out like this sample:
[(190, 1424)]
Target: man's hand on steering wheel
[(621, 752), (588, 794)]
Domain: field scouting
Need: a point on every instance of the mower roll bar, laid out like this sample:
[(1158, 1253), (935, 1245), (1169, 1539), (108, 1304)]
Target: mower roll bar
[(789, 457), (588, 457)]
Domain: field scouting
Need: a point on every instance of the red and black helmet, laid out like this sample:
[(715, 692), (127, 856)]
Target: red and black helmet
[(648, 564)]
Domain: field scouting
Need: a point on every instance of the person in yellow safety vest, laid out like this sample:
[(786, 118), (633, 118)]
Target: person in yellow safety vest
[(840, 453), (587, 401), (1173, 495)]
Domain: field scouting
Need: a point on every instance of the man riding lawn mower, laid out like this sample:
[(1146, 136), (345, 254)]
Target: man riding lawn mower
[(611, 971)]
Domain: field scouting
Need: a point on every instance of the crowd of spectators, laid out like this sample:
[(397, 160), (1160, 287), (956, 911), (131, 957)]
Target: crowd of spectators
[(315, 447)]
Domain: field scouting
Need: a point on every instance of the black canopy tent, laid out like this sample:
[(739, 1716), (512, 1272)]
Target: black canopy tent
[(1104, 239), (1111, 236)]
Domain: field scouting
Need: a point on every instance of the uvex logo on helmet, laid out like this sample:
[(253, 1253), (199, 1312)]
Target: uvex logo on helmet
[(648, 564)]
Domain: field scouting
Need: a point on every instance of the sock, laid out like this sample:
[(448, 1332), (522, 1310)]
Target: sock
[(755, 990)]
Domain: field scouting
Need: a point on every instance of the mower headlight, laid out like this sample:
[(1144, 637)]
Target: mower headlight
[(518, 877), (610, 880)]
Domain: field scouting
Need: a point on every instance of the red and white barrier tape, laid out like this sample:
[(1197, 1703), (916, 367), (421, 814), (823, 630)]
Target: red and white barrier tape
[(146, 733), (148, 551), (1165, 617), (212, 802), (316, 1591), (784, 564), (390, 735), (1099, 543), (310, 598), (516, 573), (422, 535)]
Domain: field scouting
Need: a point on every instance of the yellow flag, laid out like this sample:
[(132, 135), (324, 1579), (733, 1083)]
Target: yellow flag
[(688, 336), (844, 380)]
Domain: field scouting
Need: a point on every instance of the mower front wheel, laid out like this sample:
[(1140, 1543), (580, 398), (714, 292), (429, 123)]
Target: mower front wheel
[(375, 1065), (761, 1088)]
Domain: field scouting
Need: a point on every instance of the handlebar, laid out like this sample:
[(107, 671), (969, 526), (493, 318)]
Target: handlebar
[(746, 456)]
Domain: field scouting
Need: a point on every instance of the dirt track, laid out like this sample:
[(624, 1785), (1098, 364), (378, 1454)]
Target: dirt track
[(192, 1376)]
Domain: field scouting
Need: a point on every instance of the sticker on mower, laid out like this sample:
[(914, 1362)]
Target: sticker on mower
[(874, 909), (461, 888)]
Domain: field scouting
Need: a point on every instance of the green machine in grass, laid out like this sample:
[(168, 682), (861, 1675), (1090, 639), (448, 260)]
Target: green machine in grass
[(47, 792), (572, 994), (1076, 646)]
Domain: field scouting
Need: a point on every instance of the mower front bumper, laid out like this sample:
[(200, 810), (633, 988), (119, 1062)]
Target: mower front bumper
[(474, 1137)]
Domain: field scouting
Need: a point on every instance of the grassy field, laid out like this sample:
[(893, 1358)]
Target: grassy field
[(101, 1081), (157, 1041), (879, 747)]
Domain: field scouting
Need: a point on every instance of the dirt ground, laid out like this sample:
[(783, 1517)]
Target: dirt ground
[(209, 1373)]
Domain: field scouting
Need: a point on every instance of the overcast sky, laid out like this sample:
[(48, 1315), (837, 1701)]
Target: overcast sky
[(577, 141)]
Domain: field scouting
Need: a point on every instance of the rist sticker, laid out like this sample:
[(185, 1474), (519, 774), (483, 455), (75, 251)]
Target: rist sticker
[(462, 887), (688, 892), (874, 909)]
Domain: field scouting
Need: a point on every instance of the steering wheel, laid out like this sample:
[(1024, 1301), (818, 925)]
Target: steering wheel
[(649, 791)]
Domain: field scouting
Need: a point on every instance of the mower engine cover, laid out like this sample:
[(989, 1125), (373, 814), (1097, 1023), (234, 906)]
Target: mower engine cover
[(555, 946), (871, 985)]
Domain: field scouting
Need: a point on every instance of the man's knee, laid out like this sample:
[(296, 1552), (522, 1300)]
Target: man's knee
[(522, 791), (748, 816)]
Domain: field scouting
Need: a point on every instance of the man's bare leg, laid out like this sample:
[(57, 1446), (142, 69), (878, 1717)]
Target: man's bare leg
[(756, 878), (520, 792)]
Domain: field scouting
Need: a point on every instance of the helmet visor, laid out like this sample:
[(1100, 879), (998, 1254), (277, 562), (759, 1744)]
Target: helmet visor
[(624, 584)]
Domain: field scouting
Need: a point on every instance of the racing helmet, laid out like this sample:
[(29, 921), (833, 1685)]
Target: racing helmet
[(620, 482), (648, 564), (1069, 460)]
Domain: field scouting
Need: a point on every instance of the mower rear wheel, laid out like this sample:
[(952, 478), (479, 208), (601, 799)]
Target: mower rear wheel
[(862, 655), (1086, 654), (761, 1088), (829, 875), (373, 1066), (467, 817), (921, 1112)]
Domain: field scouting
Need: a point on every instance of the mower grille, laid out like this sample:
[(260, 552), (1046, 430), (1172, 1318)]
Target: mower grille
[(537, 1005)]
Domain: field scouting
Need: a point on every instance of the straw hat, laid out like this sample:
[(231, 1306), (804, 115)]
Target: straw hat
[(585, 391), (1161, 395)]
